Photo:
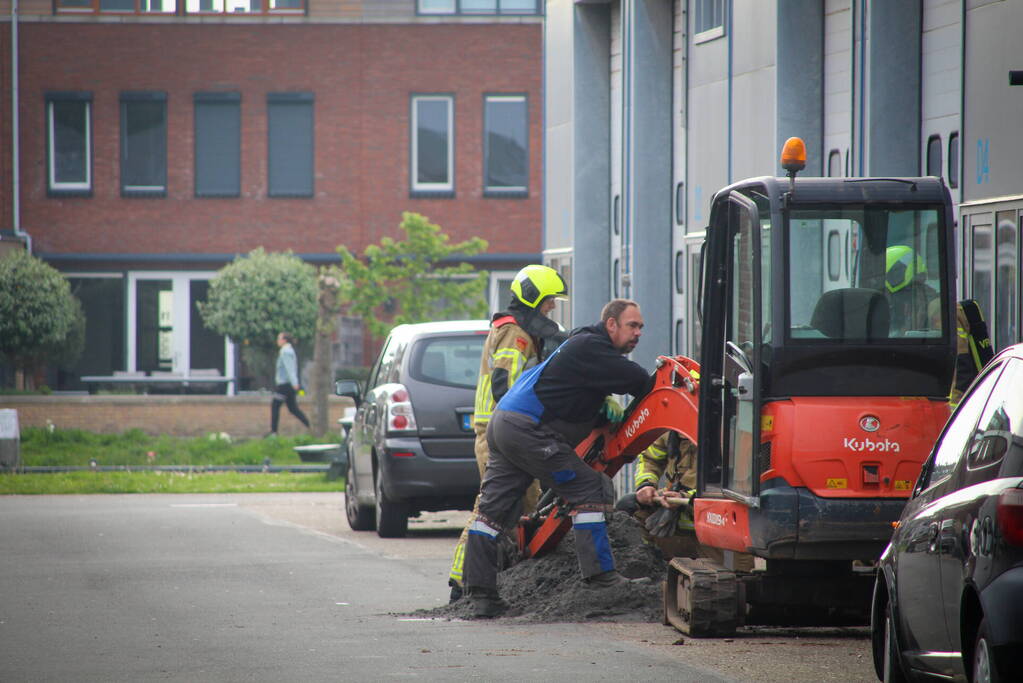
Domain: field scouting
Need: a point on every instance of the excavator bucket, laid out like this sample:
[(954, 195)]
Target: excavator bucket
[(702, 599)]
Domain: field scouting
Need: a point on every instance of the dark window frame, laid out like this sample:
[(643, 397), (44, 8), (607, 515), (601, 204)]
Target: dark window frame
[(287, 99), (495, 192), (499, 10), (834, 158), (53, 188), (145, 96), (431, 190), (215, 99)]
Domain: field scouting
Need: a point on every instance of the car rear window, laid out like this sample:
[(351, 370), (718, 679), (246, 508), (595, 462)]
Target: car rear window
[(452, 361)]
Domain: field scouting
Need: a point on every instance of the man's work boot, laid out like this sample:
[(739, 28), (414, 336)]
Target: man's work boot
[(486, 603), (613, 579), (456, 592)]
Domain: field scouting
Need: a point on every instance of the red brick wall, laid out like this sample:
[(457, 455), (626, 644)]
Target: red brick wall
[(239, 416), (362, 76)]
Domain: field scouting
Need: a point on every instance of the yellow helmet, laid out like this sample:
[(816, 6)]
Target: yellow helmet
[(902, 266), (535, 283)]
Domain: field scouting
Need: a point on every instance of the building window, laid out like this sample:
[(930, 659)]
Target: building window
[(217, 144), (934, 156), (834, 164), (290, 144), (709, 18), (478, 6), (505, 145), (245, 6), (143, 143), (433, 144), (953, 160), (680, 200), (69, 142), (117, 6)]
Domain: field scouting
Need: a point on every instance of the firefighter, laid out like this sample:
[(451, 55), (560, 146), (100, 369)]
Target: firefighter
[(667, 512), (909, 295), (973, 348), (519, 338), (532, 435)]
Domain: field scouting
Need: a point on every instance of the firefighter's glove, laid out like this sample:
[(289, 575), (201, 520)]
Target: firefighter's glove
[(612, 411), (662, 523)]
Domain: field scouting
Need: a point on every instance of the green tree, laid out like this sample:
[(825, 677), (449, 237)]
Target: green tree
[(403, 281), (38, 313), (255, 297)]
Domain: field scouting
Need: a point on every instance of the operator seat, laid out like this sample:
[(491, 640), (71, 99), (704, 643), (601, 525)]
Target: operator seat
[(852, 313)]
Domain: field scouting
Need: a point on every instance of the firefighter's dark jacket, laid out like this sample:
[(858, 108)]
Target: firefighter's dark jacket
[(573, 383)]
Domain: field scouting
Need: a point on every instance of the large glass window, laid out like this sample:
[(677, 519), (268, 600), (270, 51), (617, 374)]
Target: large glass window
[(432, 144), (1007, 269), (217, 144), (866, 274), (290, 146), (69, 142), (143, 143), (505, 144), (982, 258)]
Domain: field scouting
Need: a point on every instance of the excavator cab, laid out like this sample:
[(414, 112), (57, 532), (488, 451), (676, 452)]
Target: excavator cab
[(828, 349)]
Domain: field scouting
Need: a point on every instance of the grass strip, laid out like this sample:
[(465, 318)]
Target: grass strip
[(166, 482)]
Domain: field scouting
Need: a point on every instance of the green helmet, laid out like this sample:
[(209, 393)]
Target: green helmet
[(535, 283), (902, 265)]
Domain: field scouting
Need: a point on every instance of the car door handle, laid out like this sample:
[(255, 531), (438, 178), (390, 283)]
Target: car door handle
[(932, 538)]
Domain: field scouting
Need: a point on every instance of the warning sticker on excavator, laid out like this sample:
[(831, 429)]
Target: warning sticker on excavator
[(903, 485), (837, 483), (766, 423)]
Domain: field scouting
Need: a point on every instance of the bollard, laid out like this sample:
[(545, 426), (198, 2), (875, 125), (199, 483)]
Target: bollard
[(10, 440)]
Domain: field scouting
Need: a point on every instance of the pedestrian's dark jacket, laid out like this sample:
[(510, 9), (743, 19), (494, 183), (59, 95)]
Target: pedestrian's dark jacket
[(587, 369)]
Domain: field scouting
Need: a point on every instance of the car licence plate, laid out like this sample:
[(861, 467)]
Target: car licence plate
[(467, 422)]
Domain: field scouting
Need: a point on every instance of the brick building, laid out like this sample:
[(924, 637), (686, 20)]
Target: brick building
[(157, 139)]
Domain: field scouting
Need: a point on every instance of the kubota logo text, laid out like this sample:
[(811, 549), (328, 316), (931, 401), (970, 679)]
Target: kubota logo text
[(871, 446), (715, 518), (634, 425)]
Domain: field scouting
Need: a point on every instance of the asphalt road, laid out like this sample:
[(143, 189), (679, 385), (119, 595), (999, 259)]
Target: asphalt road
[(276, 587)]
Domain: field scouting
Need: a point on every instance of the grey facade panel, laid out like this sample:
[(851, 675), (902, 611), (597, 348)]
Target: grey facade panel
[(893, 114), (800, 77)]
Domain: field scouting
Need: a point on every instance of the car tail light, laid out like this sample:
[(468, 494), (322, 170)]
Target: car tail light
[(400, 416), (1010, 515)]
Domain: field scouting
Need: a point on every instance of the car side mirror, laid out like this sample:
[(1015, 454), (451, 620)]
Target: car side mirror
[(350, 388)]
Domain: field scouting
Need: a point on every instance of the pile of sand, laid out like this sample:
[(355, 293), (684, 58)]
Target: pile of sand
[(550, 589)]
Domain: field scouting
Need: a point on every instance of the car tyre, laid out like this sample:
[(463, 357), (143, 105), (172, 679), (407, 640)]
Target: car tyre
[(360, 517), (892, 656), (392, 517), (984, 668)]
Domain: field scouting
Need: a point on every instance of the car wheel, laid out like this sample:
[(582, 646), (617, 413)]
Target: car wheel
[(360, 517), (892, 656), (392, 517), (984, 669)]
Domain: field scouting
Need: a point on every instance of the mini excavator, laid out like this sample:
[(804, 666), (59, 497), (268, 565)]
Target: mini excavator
[(827, 352)]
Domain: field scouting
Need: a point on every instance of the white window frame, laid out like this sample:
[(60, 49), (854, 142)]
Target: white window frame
[(52, 184), (446, 187), (715, 31)]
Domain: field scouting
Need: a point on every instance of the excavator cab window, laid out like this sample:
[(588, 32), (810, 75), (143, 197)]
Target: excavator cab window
[(865, 275)]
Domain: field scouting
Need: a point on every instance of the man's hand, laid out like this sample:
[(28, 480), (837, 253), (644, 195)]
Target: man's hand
[(646, 495), (669, 498), (612, 411)]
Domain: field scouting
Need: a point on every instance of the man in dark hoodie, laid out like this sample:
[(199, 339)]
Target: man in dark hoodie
[(519, 338), (532, 435)]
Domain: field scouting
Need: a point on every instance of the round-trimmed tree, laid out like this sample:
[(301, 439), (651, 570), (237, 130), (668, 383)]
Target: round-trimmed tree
[(255, 297), (38, 313)]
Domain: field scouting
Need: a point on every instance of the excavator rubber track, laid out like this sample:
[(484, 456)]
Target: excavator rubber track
[(702, 599)]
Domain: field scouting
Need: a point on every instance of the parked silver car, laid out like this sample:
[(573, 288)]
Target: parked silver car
[(410, 447)]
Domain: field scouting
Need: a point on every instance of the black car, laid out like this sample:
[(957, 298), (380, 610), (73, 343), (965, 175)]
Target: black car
[(948, 601), (410, 446)]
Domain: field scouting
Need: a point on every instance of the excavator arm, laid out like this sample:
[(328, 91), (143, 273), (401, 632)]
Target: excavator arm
[(672, 403)]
